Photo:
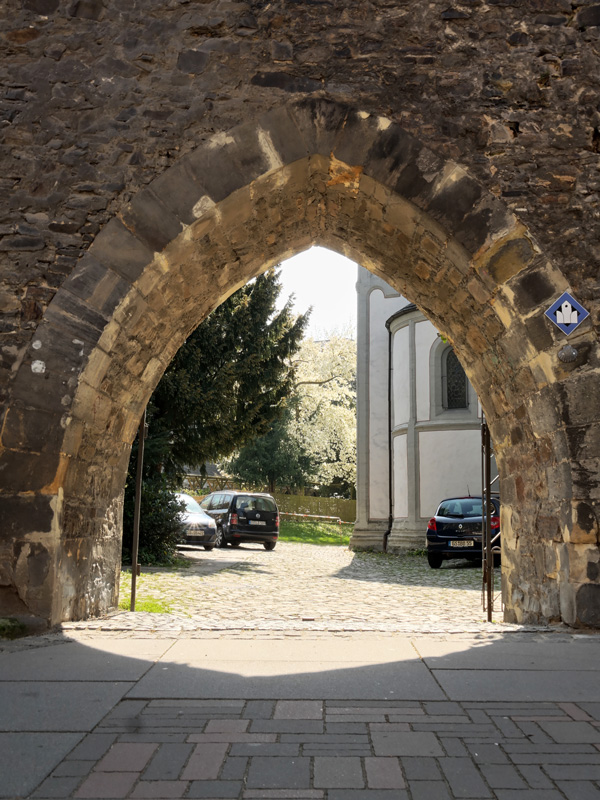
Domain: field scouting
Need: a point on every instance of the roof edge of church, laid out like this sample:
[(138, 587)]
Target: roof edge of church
[(406, 310)]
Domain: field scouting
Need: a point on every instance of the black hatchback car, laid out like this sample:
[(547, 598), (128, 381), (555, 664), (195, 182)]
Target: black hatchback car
[(243, 517), (455, 530)]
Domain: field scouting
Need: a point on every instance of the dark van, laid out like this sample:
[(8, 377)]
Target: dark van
[(243, 517)]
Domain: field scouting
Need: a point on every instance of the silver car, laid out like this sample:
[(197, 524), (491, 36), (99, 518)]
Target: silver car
[(200, 528)]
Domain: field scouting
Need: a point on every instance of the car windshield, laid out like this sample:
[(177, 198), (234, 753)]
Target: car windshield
[(190, 504), (461, 507)]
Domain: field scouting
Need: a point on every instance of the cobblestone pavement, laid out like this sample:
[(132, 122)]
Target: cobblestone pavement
[(303, 587), (336, 750)]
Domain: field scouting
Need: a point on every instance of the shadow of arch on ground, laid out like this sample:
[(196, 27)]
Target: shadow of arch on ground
[(68, 703), (312, 172)]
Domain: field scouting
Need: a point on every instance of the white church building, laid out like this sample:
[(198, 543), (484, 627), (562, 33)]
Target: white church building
[(419, 421)]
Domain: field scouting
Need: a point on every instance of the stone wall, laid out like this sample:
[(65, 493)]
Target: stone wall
[(157, 155)]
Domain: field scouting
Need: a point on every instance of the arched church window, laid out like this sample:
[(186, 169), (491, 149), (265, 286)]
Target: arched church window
[(454, 382)]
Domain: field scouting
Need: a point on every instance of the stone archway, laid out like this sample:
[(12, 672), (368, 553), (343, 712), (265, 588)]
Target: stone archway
[(313, 172)]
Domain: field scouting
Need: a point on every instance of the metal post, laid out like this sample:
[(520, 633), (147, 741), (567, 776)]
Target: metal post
[(135, 567), (488, 571)]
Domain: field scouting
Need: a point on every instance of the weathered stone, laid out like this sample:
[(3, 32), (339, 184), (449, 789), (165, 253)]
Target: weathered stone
[(42, 6), (588, 605), (285, 81), (121, 251), (193, 61), (588, 17), (21, 243)]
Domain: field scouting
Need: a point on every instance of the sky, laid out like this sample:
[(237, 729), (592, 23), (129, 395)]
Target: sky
[(326, 281)]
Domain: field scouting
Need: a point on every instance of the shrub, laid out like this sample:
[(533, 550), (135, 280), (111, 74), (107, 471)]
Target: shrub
[(161, 524)]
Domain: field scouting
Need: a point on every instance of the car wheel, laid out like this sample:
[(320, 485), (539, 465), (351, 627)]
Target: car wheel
[(209, 547), (269, 545), (434, 560), (235, 543), (220, 540)]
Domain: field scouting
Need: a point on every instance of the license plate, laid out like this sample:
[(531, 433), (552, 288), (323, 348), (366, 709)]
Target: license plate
[(462, 543), (257, 522)]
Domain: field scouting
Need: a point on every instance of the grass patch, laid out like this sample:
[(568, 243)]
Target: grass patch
[(313, 532), (11, 628), (144, 601), (151, 604)]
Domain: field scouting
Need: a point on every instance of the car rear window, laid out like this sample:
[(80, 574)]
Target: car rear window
[(461, 507), (464, 507), (255, 503)]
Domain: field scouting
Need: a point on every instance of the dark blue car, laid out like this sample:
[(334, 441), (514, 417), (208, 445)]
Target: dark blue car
[(455, 530)]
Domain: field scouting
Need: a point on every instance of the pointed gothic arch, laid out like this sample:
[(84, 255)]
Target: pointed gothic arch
[(312, 172)]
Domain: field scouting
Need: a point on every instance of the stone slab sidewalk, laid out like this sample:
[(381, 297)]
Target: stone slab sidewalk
[(512, 716)]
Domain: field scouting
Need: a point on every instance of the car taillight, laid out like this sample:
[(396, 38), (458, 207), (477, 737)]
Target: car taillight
[(431, 526), (495, 523), (233, 519)]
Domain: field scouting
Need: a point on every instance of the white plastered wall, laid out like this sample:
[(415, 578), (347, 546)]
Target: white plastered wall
[(449, 465)]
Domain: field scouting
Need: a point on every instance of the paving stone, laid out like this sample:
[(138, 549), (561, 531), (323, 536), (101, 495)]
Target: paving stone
[(579, 790), (73, 769), (326, 738), (298, 709), (207, 738), (265, 749), (205, 762), (574, 711), (384, 773), (427, 790), (528, 794), (292, 726), (346, 727), (283, 794), (338, 773), (532, 731), (259, 709), (581, 772), (157, 738), (113, 785), (227, 726), (463, 777), (215, 789), (421, 769), (406, 744), (367, 794), (335, 750), (571, 732), (454, 747), (168, 762), (442, 708), (57, 787), (279, 773), (556, 758), (234, 768), (148, 790), (535, 777), (126, 757), (93, 747), (506, 726), (502, 776)]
